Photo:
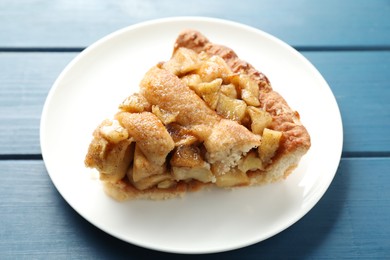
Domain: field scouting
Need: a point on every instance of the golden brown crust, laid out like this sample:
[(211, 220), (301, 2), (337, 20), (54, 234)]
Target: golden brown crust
[(162, 87), (123, 190), (149, 133)]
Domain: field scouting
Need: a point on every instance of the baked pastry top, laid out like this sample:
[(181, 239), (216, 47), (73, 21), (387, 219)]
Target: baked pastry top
[(202, 118)]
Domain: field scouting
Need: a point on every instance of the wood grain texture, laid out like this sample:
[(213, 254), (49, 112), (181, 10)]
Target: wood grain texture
[(350, 221), (25, 81), (300, 23), (359, 80)]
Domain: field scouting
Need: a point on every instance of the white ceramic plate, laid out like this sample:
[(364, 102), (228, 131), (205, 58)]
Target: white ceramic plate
[(96, 81)]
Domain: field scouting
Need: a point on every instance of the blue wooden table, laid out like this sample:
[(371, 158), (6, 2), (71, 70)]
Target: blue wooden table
[(348, 42)]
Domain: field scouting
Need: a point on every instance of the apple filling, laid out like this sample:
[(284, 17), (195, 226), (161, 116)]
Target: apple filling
[(193, 120)]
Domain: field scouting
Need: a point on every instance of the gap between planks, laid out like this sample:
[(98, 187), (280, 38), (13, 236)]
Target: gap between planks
[(298, 48)]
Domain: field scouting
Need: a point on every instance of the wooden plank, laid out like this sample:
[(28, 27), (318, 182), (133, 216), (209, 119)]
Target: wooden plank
[(40, 23), (27, 78), (350, 221), (25, 81)]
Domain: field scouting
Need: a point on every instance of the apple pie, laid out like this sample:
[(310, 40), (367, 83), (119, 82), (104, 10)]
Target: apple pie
[(203, 118)]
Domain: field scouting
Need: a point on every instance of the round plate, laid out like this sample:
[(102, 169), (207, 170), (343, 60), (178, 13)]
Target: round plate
[(93, 85)]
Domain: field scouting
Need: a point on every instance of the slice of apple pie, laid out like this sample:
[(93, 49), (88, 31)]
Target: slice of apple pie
[(202, 118)]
